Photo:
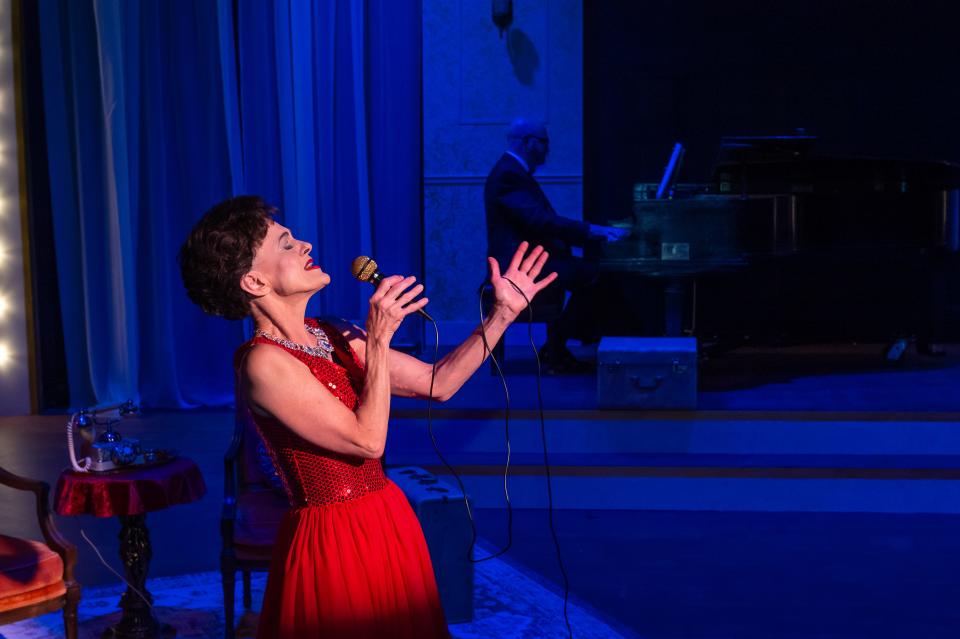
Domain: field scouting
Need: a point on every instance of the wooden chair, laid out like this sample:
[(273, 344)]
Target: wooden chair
[(252, 511), (36, 577)]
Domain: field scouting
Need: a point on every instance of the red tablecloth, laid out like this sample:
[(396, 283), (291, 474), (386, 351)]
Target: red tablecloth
[(129, 492)]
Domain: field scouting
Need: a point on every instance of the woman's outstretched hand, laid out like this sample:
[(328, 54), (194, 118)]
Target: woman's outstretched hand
[(391, 302), (524, 269)]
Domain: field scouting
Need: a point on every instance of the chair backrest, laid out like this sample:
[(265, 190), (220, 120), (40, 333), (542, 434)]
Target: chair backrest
[(41, 491), (53, 596), (249, 468), (243, 457), (247, 456)]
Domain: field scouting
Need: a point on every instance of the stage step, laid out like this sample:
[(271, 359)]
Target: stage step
[(829, 462)]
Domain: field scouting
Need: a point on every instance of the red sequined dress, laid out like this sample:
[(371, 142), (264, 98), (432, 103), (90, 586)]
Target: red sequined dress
[(350, 558)]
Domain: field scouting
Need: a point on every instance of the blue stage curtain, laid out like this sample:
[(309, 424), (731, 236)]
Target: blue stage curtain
[(154, 113), (330, 104)]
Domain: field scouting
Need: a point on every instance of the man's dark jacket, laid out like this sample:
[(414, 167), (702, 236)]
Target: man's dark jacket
[(518, 210)]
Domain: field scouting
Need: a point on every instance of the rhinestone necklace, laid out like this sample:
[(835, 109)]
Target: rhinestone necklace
[(323, 348)]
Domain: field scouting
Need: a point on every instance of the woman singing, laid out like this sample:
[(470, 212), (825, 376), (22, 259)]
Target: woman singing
[(350, 558)]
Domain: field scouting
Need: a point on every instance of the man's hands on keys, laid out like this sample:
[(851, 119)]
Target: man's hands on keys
[(607, 233)]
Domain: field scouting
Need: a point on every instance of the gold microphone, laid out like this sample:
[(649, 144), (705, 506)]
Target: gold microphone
[(365, 269)]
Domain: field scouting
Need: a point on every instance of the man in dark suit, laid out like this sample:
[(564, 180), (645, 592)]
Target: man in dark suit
[(518, 210)]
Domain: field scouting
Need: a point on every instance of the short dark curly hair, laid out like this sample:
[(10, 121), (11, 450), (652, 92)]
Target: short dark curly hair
[(219, 252)]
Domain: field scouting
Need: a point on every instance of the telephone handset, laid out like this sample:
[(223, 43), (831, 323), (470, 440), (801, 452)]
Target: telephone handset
[(101, 447)]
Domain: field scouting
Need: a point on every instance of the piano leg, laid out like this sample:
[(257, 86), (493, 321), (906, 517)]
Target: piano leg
[(674, 302), (932, 307), (693, 306)]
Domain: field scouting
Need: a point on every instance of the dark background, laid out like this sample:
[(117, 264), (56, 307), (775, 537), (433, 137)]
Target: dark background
[(876, 78)]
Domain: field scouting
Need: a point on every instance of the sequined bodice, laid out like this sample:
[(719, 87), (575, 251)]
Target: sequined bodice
[(311, 475)]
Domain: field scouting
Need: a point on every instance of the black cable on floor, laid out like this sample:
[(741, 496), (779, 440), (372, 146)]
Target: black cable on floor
[(543, 438), (456, 476), (546, 461)]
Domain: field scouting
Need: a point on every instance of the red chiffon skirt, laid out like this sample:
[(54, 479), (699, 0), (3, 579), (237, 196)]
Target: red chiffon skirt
[(356, 569)]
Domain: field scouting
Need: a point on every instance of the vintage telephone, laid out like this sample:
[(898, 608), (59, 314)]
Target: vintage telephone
[(101, 447)]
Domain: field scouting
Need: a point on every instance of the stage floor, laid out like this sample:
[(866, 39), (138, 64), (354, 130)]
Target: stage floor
[(656, 571), (812, 377), (661, 575), (508, 604)]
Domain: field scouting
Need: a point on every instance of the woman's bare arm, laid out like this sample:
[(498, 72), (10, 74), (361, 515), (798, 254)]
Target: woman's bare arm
[(278, 385), (410, 377)]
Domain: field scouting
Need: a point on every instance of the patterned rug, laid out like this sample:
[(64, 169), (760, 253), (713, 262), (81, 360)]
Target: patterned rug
[(508, 604)]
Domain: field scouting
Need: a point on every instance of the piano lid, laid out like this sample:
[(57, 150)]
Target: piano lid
[(753, 148), (790, 164), (835, 174)]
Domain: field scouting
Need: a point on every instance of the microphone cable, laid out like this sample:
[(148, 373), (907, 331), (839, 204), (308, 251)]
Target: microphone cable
[(110, 568), (365, 269), (543, 439), (546, 458), (456, 476)]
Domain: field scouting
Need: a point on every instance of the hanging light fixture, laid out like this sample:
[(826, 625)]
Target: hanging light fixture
[(502, 11)]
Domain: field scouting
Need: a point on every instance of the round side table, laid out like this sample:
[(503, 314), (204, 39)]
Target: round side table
[(130, 494)]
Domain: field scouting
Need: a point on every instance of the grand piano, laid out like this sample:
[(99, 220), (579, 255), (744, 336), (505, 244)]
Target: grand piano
[(787, 241)]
